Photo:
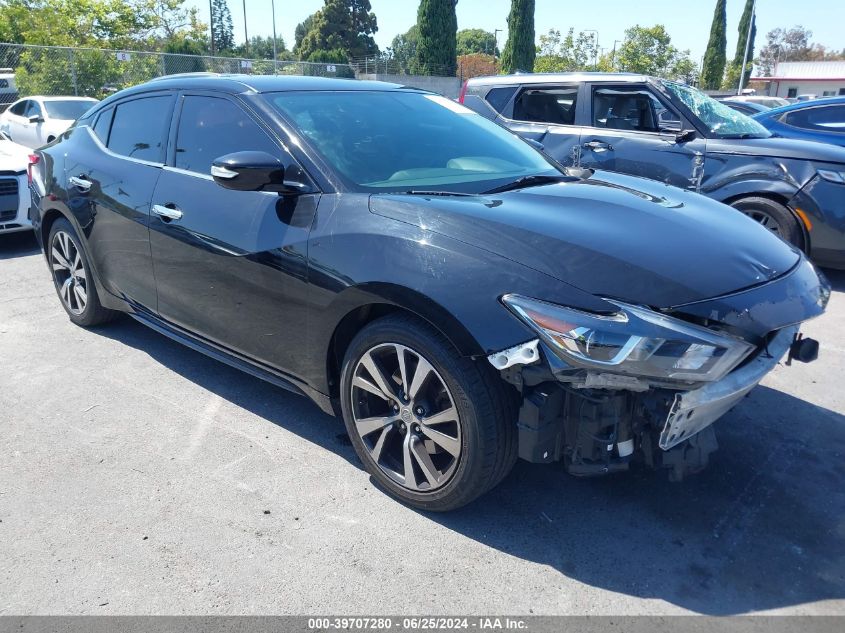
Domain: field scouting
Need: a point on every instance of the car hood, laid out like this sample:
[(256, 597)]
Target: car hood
[(777, 147), (13, 157), (610, 235)]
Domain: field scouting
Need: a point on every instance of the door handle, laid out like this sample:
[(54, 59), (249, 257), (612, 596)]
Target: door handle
[(167, 212), (599, 146), (80, 182)]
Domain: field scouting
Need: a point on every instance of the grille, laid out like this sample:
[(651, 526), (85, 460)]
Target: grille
[(8, 215), (8, 186)]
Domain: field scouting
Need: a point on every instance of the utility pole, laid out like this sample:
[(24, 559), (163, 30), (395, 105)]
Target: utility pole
[(246, 35), (747, 46), (275, 55), (496, 40), (211, 24)]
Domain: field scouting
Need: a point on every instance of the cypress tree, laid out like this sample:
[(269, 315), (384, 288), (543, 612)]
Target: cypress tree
[(222, 29), (520, 49), (748, 21), (437, 45), (715, 56)]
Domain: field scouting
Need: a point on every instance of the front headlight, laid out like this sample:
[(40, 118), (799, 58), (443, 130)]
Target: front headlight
[(633, 340)]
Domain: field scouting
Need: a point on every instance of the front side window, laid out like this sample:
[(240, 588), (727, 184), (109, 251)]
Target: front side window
[(32, 109), (140, 126), (404, 140), (19, 108), (824, 118), (499, 97), (210, 127), (720, 120), (637, 109), (547, 105), (69, 110)]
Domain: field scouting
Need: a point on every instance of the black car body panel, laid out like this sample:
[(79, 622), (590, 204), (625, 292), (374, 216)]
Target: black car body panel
[(725, 169), (278, 284)]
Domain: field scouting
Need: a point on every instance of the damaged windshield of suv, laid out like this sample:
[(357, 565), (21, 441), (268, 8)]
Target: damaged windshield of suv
[(722, 121)]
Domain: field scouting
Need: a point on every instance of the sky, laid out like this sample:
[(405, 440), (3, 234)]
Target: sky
[(687, 21)]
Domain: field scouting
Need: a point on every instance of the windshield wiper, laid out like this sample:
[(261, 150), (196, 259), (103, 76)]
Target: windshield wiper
[(531, 181), (423, 192), (743, 136)]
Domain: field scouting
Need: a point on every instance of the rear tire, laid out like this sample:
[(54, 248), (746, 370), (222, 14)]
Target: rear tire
[(392, 425), (74, 278), (773, 216)]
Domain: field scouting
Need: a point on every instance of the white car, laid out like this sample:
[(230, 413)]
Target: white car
[(14, 192), (36, 121)]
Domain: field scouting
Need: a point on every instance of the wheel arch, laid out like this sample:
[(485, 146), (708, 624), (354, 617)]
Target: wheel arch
[(781, 198)]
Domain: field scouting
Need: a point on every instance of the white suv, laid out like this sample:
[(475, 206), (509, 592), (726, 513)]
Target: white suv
[(14, 192)]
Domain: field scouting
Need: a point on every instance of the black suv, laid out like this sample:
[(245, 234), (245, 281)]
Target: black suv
[(456, 296), (675, 134)]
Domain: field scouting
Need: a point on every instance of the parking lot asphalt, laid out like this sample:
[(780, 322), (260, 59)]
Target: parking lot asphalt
[(140, 477)]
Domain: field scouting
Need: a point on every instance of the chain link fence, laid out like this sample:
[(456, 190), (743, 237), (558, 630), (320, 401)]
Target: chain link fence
[(93, 72)]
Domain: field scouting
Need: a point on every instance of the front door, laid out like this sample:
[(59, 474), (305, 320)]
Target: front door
[(633, 132), (230, 265)]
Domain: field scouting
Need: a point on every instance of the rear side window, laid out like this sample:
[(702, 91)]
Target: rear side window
[(19, 107), (827, 118), (139, 129), (634, 109), (498, 97), (547, 105), (101, 127), (210, 127)]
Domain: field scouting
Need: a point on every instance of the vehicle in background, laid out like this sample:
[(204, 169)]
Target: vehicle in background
[(460, 299), (821, 120), (747, 108), (8, 89), (36, 121), (675, 134), (14, 192), (805, 98), (768, 102)]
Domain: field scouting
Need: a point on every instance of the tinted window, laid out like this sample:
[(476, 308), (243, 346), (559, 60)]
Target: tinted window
[(630, 109), (829, 118), (499, 97), (69, 110), (397, 140), (4, 83), (19, 107), (547, 105), (210, 128), (139, 129), (32, 109), (101, 127)]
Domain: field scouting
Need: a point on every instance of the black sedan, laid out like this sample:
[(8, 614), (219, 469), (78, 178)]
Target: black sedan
[(458, 298)]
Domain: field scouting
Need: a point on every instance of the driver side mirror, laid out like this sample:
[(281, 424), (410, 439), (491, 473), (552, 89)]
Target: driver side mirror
[(259, 171), (35, 119)]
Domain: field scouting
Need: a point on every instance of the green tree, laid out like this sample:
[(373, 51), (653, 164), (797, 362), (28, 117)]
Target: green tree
[(221, 26), (649, 51), (793, 45), (301, 31), (403, 50), (559, 54), (747, 23), (437, 45), (262, 48), (341, 25), (715, 56), (520, 50), (476, 41)]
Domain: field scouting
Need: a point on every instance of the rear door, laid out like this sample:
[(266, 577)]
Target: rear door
[(230, 265), (111, 173), (14, 120), (630, 130), (547, 114)]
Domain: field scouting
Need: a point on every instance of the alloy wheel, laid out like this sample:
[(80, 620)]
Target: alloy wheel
[(766, 220), (406, 417), (69, 272)]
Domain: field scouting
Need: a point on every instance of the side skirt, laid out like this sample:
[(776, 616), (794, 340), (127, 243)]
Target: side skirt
[(232, 359)]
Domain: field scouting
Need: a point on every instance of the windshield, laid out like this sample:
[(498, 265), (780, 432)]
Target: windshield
[(721, 120), (69, 110), (402, 141)]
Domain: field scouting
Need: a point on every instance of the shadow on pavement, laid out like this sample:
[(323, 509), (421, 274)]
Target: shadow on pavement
[(761, 528), (18, 245)]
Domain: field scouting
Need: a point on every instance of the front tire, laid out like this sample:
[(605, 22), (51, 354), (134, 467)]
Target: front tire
[(773, 216), (73, 277), (434, 429)]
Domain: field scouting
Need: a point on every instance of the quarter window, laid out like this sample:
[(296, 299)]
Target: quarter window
[(210, 127), (547, 105), (828, 118), (101, 127), (140, 128)]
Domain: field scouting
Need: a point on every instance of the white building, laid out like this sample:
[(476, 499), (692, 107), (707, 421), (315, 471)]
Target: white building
[(790, 79)]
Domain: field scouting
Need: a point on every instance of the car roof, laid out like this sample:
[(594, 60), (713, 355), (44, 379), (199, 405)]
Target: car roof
[(812, 103), (263, 83), (58, 98), (541, 78)]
